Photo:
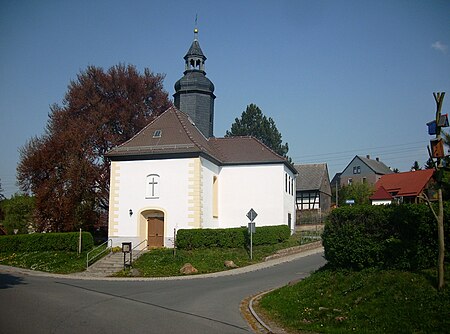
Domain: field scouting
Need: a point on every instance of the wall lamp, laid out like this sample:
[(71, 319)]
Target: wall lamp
[(130, 212)]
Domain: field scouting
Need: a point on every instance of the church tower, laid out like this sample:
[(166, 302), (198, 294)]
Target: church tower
[(194, 92)]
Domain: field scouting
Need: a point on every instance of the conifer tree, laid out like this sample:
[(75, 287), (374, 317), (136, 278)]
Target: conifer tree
[(254, 123)]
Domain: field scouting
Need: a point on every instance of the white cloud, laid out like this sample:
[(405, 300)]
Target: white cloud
[(438, 45)]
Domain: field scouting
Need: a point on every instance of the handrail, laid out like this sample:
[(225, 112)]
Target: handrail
[(108, 247), (139, 252)]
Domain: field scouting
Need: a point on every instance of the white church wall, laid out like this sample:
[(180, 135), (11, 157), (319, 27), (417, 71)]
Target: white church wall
[(251, 186), (210, 170), (171, 198)]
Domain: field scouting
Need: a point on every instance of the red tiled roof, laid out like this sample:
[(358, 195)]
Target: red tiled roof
[(381, 194), (179, 135), (405, 184)]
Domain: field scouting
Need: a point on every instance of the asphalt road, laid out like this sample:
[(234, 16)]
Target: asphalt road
[(44, 304)]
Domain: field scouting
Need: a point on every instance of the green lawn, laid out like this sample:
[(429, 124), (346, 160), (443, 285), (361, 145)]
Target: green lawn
[(369, 301), (156, 263), (53, 262), (162, 262)]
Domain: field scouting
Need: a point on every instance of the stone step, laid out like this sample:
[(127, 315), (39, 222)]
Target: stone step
[(108, 265)]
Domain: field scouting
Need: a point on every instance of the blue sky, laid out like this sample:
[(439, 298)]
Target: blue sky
[(339, 78)]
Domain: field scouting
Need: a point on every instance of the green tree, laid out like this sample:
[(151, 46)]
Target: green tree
[(359, 192), (415, 166), (254, 123), (2, 197), (18, 213)]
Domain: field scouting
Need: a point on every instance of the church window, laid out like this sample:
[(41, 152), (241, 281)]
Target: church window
[(152, 186), (157, 134), (215, 208), (285, 183)]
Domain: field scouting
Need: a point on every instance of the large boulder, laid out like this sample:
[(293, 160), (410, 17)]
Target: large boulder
[(188, 269), (230, 264)]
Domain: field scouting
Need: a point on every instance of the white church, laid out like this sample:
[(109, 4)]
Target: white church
[(174, 174)]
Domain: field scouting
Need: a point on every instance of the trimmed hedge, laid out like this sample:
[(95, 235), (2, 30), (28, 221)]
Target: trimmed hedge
[(390, 237), (269, 235), (46, 242), (230, 237)]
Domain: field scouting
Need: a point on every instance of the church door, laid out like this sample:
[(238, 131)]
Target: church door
[(155, 237)]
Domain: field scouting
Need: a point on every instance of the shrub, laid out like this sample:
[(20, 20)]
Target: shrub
[(230, 237), (269, 235), (46, 242), (396, 237)]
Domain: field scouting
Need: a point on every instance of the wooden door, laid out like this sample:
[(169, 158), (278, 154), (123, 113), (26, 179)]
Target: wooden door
[(155, 237)]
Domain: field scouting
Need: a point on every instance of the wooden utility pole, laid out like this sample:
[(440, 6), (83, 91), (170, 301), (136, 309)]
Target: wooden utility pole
[(437, 152)]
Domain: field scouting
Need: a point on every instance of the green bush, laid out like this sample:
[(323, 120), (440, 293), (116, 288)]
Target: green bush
[(206, 238), (270, 235), (395, 237), (230, 237), (46, 242)]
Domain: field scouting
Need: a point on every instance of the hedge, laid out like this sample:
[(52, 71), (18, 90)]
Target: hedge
[(46, 242), (230, 237), (391, 237)]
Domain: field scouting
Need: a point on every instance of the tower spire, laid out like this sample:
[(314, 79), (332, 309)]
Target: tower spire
[(195, 29), (194, 92)]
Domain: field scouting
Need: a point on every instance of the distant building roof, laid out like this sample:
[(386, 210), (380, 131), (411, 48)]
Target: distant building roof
[(174, 134), (405, 184), (336, 179), (310, 176), (376, 165), (381, 194)]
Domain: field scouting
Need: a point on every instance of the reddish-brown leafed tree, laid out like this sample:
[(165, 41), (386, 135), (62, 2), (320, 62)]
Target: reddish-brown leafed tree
[(66, 168)]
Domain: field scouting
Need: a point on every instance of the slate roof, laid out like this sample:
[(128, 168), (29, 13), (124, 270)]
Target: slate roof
[(377, 166), (405, 184), (180, 137), (310, 176), (195, 50)]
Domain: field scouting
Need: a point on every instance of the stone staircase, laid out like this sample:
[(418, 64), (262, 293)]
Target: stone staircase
[(108, 265)]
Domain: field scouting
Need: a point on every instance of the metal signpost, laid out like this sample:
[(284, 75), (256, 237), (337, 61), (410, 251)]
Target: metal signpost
[(126, 249), (251, 229)]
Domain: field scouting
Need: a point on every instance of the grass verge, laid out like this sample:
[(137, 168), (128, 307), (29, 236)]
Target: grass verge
[(368, 301), (162, 262), (156, 263), (53, 262)]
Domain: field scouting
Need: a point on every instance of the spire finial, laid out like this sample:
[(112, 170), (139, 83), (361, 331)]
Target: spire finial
[(195, 28)]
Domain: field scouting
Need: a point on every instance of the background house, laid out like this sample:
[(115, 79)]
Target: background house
[(405, 187), (363, 170), (313, 191)]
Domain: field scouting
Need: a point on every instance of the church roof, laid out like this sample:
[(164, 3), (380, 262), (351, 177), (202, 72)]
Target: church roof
[(195, 50), (194, 81), (174, 134)]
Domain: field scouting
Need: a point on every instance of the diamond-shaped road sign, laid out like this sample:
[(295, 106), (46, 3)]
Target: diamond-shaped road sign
[(251, 215)]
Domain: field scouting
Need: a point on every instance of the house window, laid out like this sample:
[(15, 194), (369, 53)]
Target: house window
[(364, 180), (357, 170), (152, 186), (350, 181), (215, 208), (157, 134)]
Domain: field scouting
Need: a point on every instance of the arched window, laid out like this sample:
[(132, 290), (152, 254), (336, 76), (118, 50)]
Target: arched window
[(152, 186)]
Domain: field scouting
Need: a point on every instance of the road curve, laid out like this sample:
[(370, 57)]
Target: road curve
[(46, 303)]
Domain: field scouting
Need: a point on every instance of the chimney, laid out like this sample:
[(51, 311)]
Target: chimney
[(377, 159), (368, 156)]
